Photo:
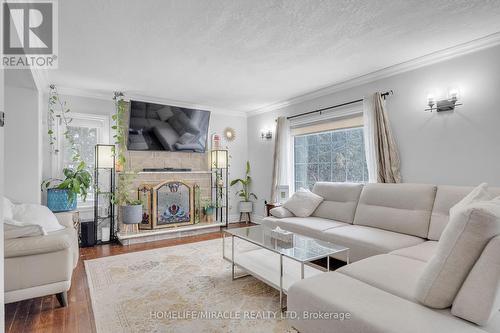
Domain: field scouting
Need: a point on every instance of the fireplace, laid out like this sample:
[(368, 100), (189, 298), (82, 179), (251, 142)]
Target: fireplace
[(168, 204)]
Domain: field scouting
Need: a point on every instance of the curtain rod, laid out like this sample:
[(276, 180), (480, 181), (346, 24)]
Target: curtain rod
[(384, 95)]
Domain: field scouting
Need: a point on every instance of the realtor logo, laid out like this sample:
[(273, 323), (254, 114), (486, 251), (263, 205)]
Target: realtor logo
[(29, 34)]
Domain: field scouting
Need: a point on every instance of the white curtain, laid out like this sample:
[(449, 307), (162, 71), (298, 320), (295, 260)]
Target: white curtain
[(282, 164), (382, 156), (369, 138)]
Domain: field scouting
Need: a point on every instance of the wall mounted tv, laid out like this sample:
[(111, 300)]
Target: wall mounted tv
[(156, 127)]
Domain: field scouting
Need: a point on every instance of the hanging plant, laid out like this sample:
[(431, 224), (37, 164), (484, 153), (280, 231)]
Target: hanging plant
[(120, 129), (77, 180), (58, 109)]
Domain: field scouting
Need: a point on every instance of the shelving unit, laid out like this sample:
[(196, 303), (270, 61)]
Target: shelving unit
[(219, 184), (104, 185)]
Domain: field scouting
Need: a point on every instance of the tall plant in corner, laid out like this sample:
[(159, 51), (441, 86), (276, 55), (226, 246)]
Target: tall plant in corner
[(130, 208), (246, 205), (62, 193)]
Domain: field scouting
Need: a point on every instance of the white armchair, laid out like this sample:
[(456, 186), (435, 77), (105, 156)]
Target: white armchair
[(41, 265)]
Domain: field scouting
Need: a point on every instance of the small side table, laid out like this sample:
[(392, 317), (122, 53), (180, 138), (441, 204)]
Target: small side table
[(270, 206)]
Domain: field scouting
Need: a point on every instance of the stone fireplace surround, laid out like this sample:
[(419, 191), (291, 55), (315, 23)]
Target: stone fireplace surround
[(199, 174)]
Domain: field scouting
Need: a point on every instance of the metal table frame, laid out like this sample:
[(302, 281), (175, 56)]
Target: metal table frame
[(280, 286)]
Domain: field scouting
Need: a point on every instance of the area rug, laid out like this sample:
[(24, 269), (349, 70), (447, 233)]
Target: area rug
[(185, 288)]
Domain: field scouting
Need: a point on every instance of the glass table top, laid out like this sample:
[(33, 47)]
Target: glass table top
[(300, 248)]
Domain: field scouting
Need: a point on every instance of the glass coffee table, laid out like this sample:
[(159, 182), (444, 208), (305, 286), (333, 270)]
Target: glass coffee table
[(278, 263)]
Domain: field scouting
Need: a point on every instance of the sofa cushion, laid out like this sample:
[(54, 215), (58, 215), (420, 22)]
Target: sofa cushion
[(447, 197), (479, 296), (280, 212), (403, 208), (423, 251), (11, 231), (395, 274), (460, 245), (53, 242), (371, 309), (340, 200), (307, 226), (365, 242), (303, 203)]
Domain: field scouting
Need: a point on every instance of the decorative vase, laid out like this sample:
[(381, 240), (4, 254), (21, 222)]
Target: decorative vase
[(60, 201), (246, 206), (131, 214)]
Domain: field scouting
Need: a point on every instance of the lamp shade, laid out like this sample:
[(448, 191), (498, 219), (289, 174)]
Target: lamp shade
[(105, 157), (219, 159)]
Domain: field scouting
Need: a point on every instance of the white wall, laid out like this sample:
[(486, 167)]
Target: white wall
[(238, 151), (218, 122), (460, 147), (23, 164)]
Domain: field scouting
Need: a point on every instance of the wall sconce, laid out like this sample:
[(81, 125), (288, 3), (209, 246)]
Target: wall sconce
[(266, 134), (447, 104)]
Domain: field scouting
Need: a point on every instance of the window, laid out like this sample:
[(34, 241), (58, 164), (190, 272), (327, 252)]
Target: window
[(334, 154), (87, 130)]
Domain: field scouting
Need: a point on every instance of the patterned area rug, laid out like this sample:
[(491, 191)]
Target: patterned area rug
[(185, 288)]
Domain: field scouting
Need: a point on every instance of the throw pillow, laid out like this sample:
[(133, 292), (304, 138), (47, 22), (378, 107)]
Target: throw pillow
[(470, 228), (479, 193), (479, 297), (7, 208), (303, 203), (281, 212), (36, 215), (11, 231)]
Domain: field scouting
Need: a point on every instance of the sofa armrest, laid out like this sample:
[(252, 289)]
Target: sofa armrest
[(65, 219), (53, 242)]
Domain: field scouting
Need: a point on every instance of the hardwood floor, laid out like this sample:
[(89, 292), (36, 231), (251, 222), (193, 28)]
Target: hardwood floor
[(44, 314)]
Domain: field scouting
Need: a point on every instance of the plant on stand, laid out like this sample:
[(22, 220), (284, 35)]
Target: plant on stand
[(130, 210), (208, 210), (245, 205), (62, 194)]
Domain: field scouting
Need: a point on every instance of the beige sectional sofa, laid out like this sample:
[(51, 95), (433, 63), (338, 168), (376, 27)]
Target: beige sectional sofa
[(41, 265), (392, 231)]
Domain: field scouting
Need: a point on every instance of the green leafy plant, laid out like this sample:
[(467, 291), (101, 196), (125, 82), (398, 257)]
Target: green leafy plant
[(58, 109), (245, 193), (124, 189), (208, 206), (76, 182), (122, 195), (120, 128)]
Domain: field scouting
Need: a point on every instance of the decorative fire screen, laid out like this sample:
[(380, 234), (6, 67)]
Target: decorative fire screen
[(167, 204)]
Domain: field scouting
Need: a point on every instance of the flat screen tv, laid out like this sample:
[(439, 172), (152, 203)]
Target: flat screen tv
[(156, 127)]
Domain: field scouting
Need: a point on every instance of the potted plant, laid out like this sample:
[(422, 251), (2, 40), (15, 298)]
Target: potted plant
[(246, 205), (208, 209), (130, 209), (63, 196)]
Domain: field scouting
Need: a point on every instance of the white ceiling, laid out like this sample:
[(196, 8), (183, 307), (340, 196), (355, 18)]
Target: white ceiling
[(243, 55)]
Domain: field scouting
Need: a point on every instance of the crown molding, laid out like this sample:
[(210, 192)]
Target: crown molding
[(40, 77), (427, 60), (140, 97)]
